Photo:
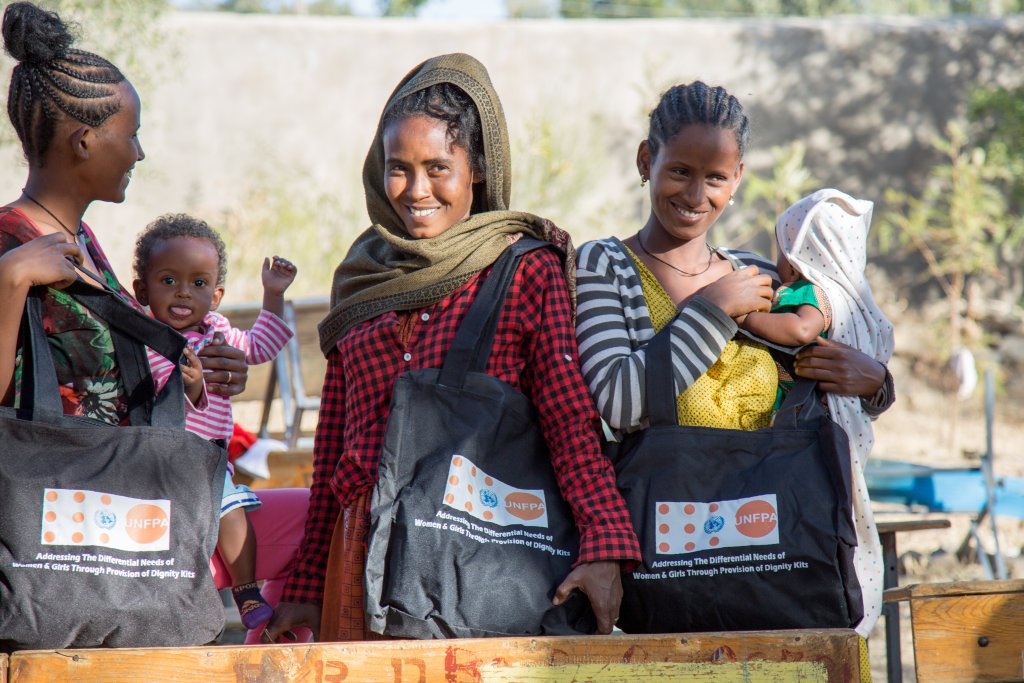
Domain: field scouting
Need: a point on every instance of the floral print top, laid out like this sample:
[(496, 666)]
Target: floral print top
[(81, 345)]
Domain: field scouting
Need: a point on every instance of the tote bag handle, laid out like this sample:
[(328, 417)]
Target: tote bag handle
[(471, 348), (800, 407), (131, 330)]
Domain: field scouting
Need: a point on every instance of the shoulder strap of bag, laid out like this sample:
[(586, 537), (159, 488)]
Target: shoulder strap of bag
[(658, 376), (471, 348), (801, 405), (39, 390), (131, 330)]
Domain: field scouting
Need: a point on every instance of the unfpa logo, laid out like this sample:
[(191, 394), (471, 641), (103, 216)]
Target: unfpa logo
[(471, 490), (689, 526), (146, 523), (97, 518), (756, 519), (524, 505)]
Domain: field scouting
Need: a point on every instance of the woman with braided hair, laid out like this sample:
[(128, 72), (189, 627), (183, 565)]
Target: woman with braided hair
[(667, 274), (77, 118)]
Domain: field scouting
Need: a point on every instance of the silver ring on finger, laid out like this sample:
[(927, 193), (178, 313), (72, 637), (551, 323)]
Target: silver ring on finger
[(228, 381)]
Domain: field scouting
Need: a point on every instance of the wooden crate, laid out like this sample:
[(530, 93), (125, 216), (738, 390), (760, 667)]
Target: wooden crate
[(750, 657), (966, 631), (290, 469)]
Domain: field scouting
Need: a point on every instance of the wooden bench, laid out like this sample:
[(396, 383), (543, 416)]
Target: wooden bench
[(966, 631), (767, 657), (890, 579)]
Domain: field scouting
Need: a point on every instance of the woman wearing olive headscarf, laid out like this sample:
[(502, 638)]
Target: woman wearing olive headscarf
[(437, 181)]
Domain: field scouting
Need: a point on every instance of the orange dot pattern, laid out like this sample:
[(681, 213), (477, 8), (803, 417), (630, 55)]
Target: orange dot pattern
[(676, 533)]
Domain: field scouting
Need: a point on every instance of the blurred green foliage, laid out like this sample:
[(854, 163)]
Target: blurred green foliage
[(996, 117), (399, 8), (557, 164), (126, 32), (314, 7), (770, 195), (283, 213), (612, 9), (960, 224)]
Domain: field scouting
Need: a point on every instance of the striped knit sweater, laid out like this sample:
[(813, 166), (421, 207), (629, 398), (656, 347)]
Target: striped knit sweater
[(269, 334), (613, 326)]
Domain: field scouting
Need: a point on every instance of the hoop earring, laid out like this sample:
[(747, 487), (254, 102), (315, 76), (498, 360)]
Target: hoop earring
[(643, 181)]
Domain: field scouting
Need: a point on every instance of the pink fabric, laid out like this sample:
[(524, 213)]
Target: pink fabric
[(278, 526), (262, 343)]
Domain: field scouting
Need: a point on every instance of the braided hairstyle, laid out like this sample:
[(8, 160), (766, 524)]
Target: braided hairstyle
[(172, 225), (52, 79), (697, 103), (450, 105)]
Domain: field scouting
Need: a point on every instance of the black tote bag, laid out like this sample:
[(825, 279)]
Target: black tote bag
[(106, 532), (469, 534), (739, 530)]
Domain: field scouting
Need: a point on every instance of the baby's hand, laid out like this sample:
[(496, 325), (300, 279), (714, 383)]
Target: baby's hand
[(277, 275), (192, 374)]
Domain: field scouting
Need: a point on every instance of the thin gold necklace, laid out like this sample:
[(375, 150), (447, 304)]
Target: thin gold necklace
[(74, 235), (711, 254)]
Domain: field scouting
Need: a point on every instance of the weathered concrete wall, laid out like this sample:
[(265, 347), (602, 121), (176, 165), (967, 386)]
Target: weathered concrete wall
[(291, 103)]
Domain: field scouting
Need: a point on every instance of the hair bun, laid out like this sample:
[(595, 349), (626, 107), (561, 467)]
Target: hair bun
[(33, 35)]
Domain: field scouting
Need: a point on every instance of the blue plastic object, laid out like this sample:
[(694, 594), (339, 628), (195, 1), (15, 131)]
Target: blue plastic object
[(941, 490)]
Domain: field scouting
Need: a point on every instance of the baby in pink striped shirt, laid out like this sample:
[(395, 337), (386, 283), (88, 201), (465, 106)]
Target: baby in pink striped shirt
[(180, 268)]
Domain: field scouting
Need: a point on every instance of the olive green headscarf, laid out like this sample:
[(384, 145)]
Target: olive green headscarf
[(385, 269)]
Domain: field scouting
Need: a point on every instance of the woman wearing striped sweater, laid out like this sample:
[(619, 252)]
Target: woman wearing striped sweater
[(668, 275)]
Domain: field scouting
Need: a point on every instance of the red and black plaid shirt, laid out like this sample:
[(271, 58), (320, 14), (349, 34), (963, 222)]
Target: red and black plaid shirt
[(534, 351)]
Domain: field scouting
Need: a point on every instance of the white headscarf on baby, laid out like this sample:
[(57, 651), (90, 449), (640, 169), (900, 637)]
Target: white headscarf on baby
[(824, 236)]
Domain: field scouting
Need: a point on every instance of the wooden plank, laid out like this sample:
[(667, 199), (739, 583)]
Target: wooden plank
[(912, 525), (3, 668), (901, 594), (969, 637), (765, 657), (932, 590)]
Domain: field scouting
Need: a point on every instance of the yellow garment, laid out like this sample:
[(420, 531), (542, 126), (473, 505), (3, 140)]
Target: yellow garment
[(865, 662), (737, 392)]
